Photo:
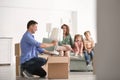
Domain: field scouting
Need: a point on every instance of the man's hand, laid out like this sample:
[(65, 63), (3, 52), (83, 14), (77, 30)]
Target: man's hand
[(54, 42), (45, 45), (47, 52)]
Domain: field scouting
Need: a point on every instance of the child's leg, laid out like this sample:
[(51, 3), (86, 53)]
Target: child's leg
[(76, 53), (76, 49), (91, 55), (87, 58), (81, 54)]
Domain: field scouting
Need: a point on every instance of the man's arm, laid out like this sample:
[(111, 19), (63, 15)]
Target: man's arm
[(47, 52), (45, 45), (32, 41)]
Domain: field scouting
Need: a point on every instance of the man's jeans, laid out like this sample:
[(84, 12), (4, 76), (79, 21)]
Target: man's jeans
[(34, 66)]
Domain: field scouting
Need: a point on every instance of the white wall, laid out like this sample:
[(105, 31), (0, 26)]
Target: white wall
[(14, 21), (107, 55), (87, 18), (15, 14)]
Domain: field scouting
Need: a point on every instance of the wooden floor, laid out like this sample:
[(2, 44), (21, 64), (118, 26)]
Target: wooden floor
[(72, 76)]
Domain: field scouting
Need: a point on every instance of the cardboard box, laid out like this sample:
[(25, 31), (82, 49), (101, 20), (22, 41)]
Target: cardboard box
[(17, 49), (17, 65), (58, 67)]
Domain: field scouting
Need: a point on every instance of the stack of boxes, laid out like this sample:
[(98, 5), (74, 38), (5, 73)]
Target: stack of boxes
[(17, 54)]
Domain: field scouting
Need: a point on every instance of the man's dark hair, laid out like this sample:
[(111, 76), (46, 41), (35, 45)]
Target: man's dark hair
[(31, 22)]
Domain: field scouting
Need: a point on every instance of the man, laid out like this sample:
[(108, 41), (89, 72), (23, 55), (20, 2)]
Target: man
[(30, 62)]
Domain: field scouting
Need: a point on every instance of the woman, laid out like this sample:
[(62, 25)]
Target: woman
[(65, 45), (78, 45)]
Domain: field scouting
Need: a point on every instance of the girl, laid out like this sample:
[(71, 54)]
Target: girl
[(78, 45)]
